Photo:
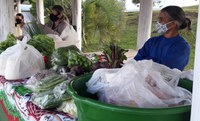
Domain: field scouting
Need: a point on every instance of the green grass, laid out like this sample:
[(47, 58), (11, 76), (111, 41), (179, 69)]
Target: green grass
[(128, 39)]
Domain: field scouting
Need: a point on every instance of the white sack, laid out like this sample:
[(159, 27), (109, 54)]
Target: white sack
[(68, 37), (24, 62)]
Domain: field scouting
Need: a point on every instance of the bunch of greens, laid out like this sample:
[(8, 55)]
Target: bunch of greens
[(10, 41), (114, 55), (60, 55), (50, 92), (45, 45), (77, 59)]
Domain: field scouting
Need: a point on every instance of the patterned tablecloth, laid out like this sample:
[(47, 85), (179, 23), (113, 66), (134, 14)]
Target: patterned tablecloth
[(14, 97)]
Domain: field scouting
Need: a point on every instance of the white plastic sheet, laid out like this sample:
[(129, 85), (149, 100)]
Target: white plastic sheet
[(140, 84)]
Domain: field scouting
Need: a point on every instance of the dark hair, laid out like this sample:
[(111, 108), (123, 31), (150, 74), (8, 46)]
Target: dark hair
[(19, 14), (58, 8), (60, 11), (177, 13)]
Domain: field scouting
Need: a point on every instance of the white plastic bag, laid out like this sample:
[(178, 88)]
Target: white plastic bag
[(8, 52), (24, 62), (100, 79), (70, 36), (187, 75), (141, 84), (4, 56)]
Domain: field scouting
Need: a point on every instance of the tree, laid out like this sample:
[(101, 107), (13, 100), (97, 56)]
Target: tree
[(103, 19)]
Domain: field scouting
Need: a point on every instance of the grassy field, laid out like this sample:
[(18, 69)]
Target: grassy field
[(128, 38)]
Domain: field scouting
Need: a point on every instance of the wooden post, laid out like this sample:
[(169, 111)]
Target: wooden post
[(74, 12), (196, 80), (19, 6), (40, 10), (145, 20), (7, 24), (76, 19)]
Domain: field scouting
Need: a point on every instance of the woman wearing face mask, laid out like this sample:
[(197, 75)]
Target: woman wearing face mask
[(60, 30), (21, 27), (58, 21), (19, 24), (19, 20), (169, 48)]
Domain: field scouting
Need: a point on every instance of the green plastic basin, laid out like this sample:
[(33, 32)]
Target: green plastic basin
[(90, 109)]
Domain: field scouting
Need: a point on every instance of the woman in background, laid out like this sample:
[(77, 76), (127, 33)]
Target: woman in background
[(170, 48), (59, 28), (58, 21)]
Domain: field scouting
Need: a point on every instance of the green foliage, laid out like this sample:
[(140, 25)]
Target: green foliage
[(191, 39), (114, 54), (102, 19), (44, 45), (10, 41), (60, 55), (78, 59)]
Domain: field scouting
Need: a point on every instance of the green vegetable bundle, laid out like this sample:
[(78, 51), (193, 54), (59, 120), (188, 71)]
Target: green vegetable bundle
[(45, 45), (60, 56), (77, 59), (48, 83), (10, 41), (49, 100), (50, 92), (114, 55)]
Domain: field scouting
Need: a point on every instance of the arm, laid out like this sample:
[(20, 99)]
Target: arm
[(48, 30), (177, 56), (144, 51), (60, 27)]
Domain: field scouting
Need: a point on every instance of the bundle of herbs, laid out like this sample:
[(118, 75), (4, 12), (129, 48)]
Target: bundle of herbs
[(44, 45), (114, 55)]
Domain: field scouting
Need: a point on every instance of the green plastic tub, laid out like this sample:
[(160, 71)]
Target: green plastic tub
[(89, 109)]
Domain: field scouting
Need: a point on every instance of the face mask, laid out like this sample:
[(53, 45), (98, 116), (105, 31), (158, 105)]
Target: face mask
[(53, 17), (18, 21), (161, 28)]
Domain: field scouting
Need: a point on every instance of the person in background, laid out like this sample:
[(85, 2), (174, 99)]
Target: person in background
[(19, 24), (21, 27), (59, 28), (19, 19), (58, 21), (169, 48)]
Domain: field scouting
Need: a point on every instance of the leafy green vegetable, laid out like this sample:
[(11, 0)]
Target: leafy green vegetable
[(77, 59), (45, 45), (60, 56), (114, 55), (10, 41)]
